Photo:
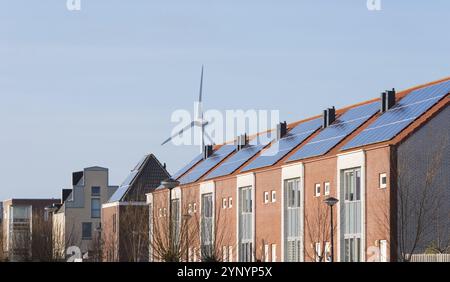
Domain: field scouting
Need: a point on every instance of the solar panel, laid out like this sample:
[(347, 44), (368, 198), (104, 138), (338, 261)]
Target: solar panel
[(123, 188), (335, 133), (286, 144), (242, 156), (118, 194), (188, 166), (207, 164), (402, 114)]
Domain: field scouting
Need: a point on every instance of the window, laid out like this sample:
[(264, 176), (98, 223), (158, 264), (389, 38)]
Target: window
[(160, 212), (318, 251), (195, 207), (175, 218), (86, 230), (95, 208), (266, 253), (327, 253), (293, 220), (274, 253), (224, 203), (95, 191), (274, 197), (326, 188), (224, 253), (317, 190), (245, 224), (114, 219), (230, 202), (352, 215), (230, 253), (207, 225), (383, 251), (164, 212), (189, 208), (383, 180), (266, 197)]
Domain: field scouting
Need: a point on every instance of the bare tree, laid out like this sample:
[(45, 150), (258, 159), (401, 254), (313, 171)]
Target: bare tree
[(133, 237), (318, 228), (171, 238), (422, 220), (42, 238)]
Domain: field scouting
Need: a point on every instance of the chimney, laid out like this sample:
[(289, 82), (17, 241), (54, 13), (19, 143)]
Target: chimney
[(241, 141), (329, 116), (207, 151), (281, 130), (387, 100)]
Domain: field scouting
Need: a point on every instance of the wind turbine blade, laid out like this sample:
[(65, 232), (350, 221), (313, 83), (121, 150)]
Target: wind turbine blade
[(201, 87), (192, 124)]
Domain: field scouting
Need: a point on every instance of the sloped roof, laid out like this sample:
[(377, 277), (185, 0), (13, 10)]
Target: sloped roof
[(402, 134), (145, 177)]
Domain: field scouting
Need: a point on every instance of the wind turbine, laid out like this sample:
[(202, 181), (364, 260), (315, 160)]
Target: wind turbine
[(198, 119)]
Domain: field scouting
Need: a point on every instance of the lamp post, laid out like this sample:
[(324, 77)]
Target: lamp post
[(330, 201), (169, 184)]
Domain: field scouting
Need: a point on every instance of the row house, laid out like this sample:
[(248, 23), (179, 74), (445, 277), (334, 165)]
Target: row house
[(77, 217), (263, 197), (26, 229), (125, 214)]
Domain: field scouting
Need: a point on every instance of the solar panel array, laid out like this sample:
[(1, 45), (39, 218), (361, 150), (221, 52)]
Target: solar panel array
[(123, 188), (402, 114), (198, 171), (187, 167), (286, 144), (242, 156), (335, 133)]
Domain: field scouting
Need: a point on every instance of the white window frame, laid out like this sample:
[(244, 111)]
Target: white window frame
[(326, 188), (189, 208), (274, 252), (266, 197), (230, 202), (274, 196), (194, 205), (225, 254), (317, 250), (224, 203), (266, 253), (381, 184), (327, 252), (230, 253), (383, 250), (317, 190)]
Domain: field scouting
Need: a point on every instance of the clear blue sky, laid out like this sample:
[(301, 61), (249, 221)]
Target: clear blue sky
[(97, 87)]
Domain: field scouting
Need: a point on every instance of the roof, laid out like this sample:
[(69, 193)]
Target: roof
[(343, 116), (145, 177)]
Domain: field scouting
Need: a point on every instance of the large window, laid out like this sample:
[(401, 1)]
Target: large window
[(86, 231), (245, 224), (95, 208), (176, 217), (292, 218), (352, 214), (207, 225)]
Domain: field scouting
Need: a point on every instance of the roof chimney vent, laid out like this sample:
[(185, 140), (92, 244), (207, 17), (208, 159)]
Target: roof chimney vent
[(241, 141), (387, 100), (329, 116), (281, 130), (207, 151)]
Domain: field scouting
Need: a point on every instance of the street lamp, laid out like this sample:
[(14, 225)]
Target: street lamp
[(330, 201), (169, 184)]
